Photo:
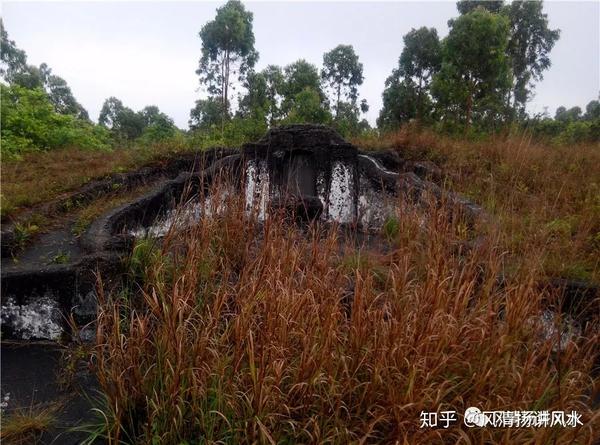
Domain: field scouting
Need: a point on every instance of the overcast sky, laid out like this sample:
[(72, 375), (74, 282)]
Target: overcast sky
[(146, 53)]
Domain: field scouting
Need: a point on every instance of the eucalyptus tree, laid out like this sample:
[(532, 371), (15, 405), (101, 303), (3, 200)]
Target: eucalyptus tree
[(227, 51), (475, 73), (206, 114), (592, 110), (419, 61), (406, 94), (343, 73), (123, 122), (466, 6), (529, 46), (263, 95), (13, 59)]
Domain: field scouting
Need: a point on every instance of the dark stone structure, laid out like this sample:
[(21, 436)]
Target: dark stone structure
[(300, 163)]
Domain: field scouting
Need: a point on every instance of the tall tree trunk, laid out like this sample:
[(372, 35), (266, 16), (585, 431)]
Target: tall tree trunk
[(420, 102), (225, 91), (469, 109), (337, 107)]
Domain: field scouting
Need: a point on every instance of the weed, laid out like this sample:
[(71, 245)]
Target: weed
[(24, 233), (272, 334), (25, 426), (391, 227), (61, 258)]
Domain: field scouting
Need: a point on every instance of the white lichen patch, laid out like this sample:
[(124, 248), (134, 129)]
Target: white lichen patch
[(559, 330), (257, 189), (374, 207), (185, 216), (39, 319), (341, 194), (4, 402)]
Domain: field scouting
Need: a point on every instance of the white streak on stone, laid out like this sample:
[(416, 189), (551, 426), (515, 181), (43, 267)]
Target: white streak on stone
[(341, 194), (378, 165)]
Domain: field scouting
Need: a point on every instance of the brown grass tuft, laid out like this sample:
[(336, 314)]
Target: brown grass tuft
[(241, 333)]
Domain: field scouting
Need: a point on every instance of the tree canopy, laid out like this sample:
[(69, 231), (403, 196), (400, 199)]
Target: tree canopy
[(406, 94), (475, 73), (227, 50), (529, 46), (127, 125), (343, 73)]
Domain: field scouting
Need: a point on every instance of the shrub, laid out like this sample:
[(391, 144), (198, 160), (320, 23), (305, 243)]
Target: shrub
[(30, 123)]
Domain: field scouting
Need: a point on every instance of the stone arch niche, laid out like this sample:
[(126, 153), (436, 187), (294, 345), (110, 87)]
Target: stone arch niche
[(309, 166)]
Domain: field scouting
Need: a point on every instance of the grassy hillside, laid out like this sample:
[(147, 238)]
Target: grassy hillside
[(273, 335), (544, 198)]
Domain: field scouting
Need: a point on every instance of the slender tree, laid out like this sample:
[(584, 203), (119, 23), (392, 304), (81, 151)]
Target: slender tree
[(530, 43), (298, 77), (206, 113), (592, 110), (13, 59), (466, 6), (343, 73), (419, 61), (400, 102), (227, 50)]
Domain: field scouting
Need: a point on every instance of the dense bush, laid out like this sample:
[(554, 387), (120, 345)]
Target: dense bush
[(30, 123), (231, 133), (561, 132)]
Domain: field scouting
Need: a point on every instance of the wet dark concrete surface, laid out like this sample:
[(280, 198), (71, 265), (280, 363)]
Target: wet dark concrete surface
[(34, 378)]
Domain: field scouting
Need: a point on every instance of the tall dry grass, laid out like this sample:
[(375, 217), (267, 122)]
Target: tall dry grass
[(544, 197), (237, 332)]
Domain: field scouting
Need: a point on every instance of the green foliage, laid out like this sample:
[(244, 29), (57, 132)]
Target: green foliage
[(145, 257), (530, 43), (298, 77), (343, 73), (391, 228), (475, 75), (569, 126), (466, 6), (148, 125), (307, 107), (399, 102), (347, 121), (570, 115), (227, 49), (157, 125), (123, 122), (15, 70), (30, 123), (13, 59), (256, 102), (406, 94), (23, 233), (206, 114), (592, 110), (489, 63), (233, 133), (61, 258)]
